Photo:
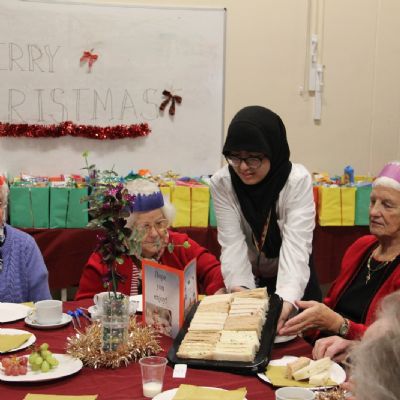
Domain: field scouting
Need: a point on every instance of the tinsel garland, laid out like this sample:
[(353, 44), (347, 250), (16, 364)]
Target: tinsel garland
[(68, 128), (331, 394), (87, 346)]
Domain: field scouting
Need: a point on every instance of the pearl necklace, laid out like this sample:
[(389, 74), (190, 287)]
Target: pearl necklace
[(380, 266)]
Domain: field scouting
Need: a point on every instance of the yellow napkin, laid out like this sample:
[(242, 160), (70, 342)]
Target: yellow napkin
[(31, 396), (29, 304), (276, 374), (191, 392), (9, 342)]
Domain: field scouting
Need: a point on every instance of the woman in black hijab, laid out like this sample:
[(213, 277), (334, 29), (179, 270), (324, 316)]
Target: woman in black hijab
[(265, 211)]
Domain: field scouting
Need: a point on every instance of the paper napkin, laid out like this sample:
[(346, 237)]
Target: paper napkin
[(191, 392), (31, 396), (9, 342), (276, 374)]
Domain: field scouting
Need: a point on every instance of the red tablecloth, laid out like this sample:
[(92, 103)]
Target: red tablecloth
[(125, 383), (66, 250)]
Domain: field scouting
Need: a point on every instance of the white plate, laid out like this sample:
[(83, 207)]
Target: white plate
[(169, 394), (138, 299), (67, 366), (30, 341), (10, 312), (65, 319), (337, 373), (283, 339)]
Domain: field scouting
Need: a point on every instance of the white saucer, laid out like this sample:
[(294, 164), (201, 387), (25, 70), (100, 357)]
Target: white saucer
[(283, 339), (65, 319)]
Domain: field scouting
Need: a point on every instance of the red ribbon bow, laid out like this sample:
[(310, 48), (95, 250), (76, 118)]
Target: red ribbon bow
[(90, 58), (170, 98)]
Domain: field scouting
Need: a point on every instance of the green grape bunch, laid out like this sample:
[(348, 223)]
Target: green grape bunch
[(42, 359)]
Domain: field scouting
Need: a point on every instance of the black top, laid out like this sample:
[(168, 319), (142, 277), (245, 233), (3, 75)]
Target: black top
[(356, 298)]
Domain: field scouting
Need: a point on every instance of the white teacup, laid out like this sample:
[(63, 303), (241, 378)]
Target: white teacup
[(294, 393), (47, 312)]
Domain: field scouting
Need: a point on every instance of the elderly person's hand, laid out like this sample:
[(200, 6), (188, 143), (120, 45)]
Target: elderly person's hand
[(287, 309), (314, 315), (334, 347)]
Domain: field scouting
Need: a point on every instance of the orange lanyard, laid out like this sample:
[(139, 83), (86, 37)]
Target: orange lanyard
[(260, 244)]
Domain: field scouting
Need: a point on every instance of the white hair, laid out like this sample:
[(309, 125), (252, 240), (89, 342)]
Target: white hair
[(376, 359), (147, 187), (386, 181)]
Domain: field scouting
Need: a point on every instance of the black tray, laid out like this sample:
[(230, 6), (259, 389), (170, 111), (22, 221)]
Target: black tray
[(262, 357)]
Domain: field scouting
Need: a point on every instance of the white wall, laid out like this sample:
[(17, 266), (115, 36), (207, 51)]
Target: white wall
[(267, 60)]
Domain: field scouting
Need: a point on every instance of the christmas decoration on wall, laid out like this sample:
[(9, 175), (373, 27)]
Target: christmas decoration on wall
[(89, 58), (68, 128), (170, 98)]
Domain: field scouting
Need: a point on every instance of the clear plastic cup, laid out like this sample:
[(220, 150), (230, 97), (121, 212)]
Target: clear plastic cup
[(153, 371)]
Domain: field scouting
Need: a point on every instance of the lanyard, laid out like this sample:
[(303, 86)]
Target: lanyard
[(260, 243)]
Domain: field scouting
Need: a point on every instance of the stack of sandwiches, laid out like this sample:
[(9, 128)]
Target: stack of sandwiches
[(317, 372), (226, 327)]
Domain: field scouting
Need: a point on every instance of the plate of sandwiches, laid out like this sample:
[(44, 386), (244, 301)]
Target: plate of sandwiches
[(302, 371), (231, 332)]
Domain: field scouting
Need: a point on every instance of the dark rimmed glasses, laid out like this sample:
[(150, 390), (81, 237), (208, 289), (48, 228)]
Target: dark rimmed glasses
[(252, 162)]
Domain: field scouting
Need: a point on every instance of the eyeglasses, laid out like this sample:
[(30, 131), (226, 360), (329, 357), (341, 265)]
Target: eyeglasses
[(251, 162), (160, 226)]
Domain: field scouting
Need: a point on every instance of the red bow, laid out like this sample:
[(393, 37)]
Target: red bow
[(170, 98), (89, 58)]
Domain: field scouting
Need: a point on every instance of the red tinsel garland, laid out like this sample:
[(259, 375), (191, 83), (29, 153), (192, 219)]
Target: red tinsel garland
[(68, 128)]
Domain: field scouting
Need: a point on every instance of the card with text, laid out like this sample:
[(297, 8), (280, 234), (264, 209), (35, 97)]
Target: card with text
[(168, 295)]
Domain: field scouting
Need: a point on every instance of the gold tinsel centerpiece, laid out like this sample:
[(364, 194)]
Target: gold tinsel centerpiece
[(142, 341)]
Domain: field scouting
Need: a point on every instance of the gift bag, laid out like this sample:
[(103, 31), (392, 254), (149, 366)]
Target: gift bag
[(363, 194), (200, 206), (66, 208), (212, 217), (336, 205), (166, 192), (29, 207), (180, 198)]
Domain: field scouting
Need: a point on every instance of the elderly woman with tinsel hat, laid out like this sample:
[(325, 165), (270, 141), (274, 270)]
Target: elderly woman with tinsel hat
[(151, 218)]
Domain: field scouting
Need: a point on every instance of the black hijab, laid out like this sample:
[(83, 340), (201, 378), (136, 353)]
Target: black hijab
[(257, 129)]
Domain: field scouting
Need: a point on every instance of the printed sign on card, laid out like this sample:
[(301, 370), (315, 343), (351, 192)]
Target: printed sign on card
[(168, 295)]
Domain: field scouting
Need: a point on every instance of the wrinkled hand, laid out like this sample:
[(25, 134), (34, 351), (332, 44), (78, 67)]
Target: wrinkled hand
[(334, 347), (221, 291), (287, 309), (314, 315)]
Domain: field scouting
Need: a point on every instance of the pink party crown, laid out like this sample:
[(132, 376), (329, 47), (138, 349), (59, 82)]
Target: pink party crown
[(391, 170)]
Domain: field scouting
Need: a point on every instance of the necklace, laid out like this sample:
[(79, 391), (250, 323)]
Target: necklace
[(376, 269)]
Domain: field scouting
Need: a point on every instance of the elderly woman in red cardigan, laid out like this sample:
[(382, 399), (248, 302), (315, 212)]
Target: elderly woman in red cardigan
[(370, 269), (152, 216)]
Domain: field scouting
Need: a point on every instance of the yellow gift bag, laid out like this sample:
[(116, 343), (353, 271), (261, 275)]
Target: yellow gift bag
[(200, 206), (180, 198), (336, 205)]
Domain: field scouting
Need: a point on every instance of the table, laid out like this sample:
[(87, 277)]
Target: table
[(124, 383), (66, 251)]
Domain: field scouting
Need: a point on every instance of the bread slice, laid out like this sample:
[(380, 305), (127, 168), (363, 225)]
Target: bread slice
[(296, 365), (234, 352), (244, 337), (260, 293), (320, 379)]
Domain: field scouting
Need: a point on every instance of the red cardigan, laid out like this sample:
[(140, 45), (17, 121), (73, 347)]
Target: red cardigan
[(350, 264), (209, 277)]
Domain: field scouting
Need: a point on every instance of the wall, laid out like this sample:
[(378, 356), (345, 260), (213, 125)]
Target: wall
[(266, 63)]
